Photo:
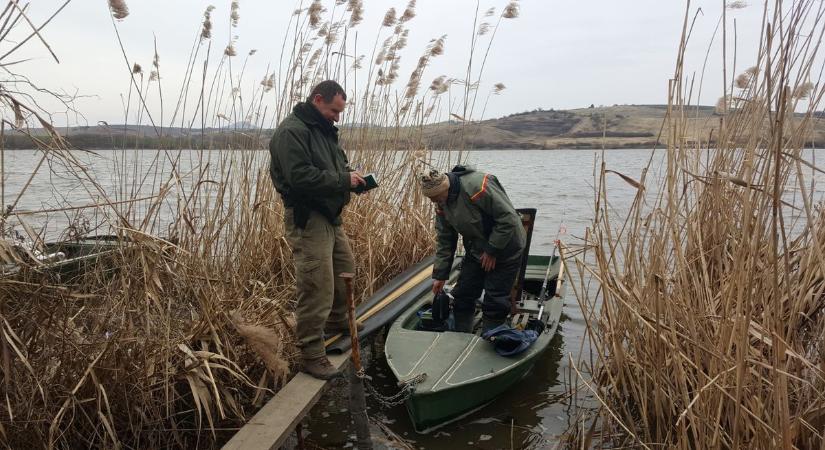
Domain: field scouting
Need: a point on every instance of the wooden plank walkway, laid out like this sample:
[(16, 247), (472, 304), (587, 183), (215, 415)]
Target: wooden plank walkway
[(271, 426)]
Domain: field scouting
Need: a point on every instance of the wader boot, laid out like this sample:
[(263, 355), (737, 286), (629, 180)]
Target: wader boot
[(320, 368), (489, 324), (464, 320)]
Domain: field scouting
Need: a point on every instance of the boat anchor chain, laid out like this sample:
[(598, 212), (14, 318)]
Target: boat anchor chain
[(407, 387)]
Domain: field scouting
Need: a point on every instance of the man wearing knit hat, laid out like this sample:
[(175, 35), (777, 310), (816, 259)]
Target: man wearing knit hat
[(474, 205), (311, 172)]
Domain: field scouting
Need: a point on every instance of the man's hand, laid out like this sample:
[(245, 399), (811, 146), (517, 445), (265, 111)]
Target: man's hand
[(488, 263), (355, 179), (438, 286)]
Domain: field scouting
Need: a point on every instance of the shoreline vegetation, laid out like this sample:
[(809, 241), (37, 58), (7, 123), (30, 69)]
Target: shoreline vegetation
[(709, 318), (608, 127)]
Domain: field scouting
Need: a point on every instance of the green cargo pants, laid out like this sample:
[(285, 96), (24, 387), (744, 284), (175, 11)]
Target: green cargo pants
[(320, 252)]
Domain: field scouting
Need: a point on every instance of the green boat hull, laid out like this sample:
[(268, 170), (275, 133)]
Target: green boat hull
[(430, 410)]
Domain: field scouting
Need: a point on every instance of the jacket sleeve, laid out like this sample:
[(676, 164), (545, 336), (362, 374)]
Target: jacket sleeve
[(445, 245), (302, 175), (506, 221)]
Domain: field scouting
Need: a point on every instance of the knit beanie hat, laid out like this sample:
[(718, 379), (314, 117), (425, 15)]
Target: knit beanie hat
[(433, 182)]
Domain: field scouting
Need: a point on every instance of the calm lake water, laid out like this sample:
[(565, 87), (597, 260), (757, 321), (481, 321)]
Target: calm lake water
[(559, 183)]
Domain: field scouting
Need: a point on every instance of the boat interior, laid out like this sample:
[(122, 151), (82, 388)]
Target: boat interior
[(538, 269)]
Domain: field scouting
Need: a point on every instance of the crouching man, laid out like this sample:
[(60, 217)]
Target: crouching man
[(474, 205)]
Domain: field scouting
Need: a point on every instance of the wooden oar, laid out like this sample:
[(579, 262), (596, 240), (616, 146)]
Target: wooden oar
[(358, 401)]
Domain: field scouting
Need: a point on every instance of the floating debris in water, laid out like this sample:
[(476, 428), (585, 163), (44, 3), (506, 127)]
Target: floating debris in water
[(485, 420), (484, 437)]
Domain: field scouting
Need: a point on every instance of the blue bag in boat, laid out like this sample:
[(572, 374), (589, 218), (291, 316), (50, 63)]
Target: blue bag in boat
[(509, 341)]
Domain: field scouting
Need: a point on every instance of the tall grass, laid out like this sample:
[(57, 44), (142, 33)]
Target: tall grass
[(708, 323), (181, 336)]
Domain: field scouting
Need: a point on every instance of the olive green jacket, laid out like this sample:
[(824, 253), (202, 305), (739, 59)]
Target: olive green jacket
[(308, 167), (478, 209)]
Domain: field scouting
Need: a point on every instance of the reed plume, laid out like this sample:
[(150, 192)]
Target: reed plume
[(234, 13), (389, 18), (439, 85), (332, 35), (316, 9), (356, 8), (119, 9), (437, 46), (511, 11), (268, 82), (206, 30), (723, 105), (743, 80), (409, 12), (358, 63), (267, 344), (803, 90)]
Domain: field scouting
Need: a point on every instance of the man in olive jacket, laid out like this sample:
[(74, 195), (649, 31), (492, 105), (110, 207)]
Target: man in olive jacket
[(310, 171), (474, 205)]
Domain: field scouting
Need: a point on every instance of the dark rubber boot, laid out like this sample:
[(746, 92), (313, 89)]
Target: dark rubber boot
[(489, 324), (320, 368), (464, 321)]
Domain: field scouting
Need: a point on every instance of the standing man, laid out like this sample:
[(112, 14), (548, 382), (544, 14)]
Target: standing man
[(474, 205), (310, 171)]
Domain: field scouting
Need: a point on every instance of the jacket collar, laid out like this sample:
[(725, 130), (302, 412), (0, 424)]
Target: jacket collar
[(310, 115), (455, 186)]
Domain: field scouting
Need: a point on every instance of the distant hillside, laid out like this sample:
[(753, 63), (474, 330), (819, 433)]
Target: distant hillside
[(614, 127), (620, 126)]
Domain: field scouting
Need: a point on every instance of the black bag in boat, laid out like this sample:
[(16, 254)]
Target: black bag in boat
[(441, 306), (436, 316)]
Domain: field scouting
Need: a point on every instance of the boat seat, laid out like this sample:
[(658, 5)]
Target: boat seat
[(520, 321)]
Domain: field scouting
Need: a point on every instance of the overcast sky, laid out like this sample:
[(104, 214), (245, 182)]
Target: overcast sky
[(557, 54)]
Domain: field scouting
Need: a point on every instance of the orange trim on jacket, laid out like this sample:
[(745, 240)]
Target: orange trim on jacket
[(481, 192)]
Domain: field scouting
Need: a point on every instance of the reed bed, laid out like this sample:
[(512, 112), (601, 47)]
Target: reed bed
[(707, 325), (186, 330)]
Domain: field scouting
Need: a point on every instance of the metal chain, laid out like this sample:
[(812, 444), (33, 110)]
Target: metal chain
[(407, 388)]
